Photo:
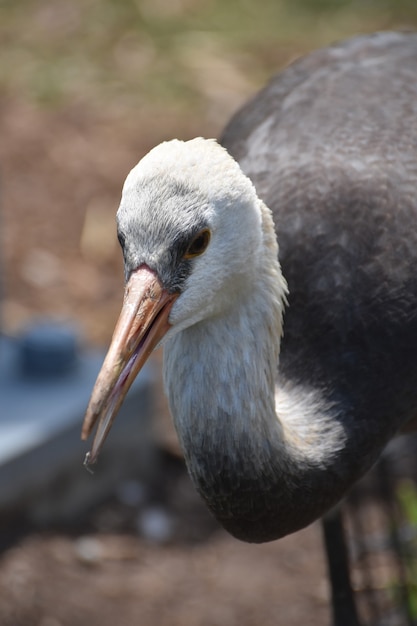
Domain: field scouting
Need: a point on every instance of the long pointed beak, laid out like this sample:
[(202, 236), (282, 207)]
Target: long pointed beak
[(142, 324)]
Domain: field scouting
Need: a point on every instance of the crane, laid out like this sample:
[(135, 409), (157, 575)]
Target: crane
[(287, 370)]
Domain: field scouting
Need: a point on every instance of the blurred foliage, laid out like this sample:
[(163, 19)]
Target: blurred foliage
[(407, 499), (144, 51), (407, 496)]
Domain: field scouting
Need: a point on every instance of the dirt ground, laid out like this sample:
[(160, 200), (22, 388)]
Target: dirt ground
[(46, 581), (61, 174)]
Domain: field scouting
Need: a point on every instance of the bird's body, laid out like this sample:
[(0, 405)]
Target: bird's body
[(331, 146), (273, 432)]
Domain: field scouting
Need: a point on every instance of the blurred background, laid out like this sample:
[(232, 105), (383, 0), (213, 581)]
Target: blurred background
[(86, 88)]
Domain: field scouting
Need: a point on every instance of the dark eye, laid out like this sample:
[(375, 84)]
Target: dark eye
[(198, 244), (121, 238)]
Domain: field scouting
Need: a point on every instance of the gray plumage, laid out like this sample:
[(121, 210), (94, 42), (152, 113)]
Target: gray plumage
[(331, 147)]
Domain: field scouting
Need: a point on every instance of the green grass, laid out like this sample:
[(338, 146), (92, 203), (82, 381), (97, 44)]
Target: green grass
[(407, 498), (141, 52)]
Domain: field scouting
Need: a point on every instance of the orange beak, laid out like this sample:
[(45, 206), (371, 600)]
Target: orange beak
[(142, 324)]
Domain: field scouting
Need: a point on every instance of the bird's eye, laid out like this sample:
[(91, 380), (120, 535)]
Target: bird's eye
[(121, 238), (198, 244)]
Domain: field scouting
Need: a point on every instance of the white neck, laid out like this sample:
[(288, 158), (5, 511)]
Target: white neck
[(253, 451)]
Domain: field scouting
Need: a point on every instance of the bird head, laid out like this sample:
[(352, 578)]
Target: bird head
[(189, 225)]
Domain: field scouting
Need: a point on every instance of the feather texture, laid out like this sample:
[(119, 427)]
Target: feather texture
[(275, 429)]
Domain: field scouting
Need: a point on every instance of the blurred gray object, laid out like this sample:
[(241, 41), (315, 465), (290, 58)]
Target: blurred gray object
[(45, 383)]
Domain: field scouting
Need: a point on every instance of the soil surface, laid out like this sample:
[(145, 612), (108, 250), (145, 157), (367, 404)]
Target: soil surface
[(109, 579)]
